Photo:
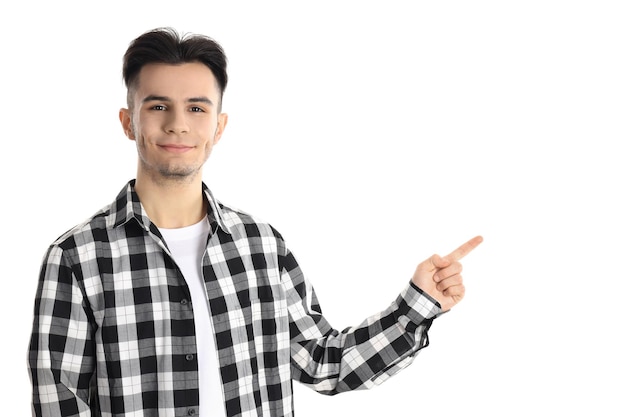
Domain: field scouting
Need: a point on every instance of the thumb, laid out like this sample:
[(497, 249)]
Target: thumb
[(438, 262)]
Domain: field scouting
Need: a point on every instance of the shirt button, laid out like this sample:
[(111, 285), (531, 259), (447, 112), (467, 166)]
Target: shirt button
[(184, 301), (189, 357), (191, 412)]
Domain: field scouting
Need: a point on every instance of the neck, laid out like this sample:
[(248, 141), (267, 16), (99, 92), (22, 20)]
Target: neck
[(172, 204)]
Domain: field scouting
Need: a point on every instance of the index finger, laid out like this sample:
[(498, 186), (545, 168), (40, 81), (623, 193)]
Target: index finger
[(464, 249)]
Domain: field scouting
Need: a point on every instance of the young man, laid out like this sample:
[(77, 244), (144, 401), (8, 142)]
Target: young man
[(169, 303)]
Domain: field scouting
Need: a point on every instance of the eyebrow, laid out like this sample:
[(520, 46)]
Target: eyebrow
[(153, 97)]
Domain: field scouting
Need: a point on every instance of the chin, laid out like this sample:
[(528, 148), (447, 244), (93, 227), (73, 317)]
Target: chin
[(179, 173)]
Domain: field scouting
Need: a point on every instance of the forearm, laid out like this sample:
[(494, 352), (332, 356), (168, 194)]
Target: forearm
[(366, 355)]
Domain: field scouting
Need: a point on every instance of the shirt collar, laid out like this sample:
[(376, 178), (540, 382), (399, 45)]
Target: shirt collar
[(127, 206)]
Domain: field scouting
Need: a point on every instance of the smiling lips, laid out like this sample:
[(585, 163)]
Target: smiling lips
[(176, 148)]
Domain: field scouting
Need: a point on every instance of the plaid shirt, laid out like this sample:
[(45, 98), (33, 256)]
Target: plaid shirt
[(113, 331)]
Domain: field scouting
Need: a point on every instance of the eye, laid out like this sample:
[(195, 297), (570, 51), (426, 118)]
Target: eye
[(196, 109), (159, 107)]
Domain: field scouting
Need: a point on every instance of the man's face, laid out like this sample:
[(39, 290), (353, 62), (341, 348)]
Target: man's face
[(174, 120)]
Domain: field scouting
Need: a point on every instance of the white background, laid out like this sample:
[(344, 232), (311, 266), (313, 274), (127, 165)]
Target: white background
[(371, 134)]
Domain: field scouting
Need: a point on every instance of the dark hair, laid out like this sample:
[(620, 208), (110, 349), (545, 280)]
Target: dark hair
[(166, 46)]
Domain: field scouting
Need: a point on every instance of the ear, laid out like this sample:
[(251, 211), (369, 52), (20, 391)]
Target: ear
[(126, 120), (222, 120)]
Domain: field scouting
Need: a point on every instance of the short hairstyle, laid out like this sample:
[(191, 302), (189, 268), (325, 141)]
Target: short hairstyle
[(166, 46)]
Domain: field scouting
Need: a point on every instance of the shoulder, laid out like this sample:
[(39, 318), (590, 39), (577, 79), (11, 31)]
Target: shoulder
[(99, 224), (85, 231), (242, 222)]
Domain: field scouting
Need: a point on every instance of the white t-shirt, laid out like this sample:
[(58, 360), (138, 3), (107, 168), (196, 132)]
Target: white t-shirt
[(187, 245)]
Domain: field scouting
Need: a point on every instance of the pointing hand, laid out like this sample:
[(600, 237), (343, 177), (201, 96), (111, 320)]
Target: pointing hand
[(440, 277)]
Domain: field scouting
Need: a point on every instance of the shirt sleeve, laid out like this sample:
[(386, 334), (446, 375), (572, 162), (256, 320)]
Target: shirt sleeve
[(361, 357), (61, 352)]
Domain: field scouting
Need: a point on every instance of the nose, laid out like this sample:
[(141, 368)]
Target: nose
[(176, 122)]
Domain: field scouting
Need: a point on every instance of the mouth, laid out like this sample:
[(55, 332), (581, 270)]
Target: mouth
[(176, 148)]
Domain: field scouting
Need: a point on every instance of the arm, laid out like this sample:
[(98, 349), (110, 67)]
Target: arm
[(61, 353), (359, 357), (364, 356)]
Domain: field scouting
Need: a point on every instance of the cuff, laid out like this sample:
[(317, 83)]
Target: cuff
[(417, 305)]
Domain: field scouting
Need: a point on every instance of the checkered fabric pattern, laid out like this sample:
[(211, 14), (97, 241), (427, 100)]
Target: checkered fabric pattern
[(113, 331)]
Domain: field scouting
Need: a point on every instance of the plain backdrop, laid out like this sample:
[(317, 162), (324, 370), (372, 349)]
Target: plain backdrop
[(371, 134)]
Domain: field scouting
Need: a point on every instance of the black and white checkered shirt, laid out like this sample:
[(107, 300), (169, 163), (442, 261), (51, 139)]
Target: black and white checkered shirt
[(114, 335)]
